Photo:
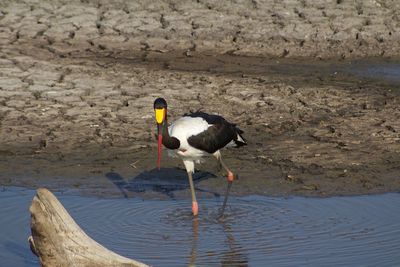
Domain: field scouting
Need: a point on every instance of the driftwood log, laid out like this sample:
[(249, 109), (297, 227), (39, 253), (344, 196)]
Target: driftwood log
[(58, 241)]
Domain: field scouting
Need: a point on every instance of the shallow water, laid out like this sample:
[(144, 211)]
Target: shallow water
[(388, 71), (376, 69), (256, 231)]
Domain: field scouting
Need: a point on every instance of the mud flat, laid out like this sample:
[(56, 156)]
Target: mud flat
[(78, 79), (307, 28)]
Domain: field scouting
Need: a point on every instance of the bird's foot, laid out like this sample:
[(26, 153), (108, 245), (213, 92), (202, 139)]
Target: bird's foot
[(195, 208)]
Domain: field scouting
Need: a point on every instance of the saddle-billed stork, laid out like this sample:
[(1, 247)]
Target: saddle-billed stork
[(194, 136)]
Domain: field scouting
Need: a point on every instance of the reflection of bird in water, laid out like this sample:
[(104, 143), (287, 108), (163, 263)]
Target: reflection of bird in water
[(193, 136), (193, 251), (234, 256)]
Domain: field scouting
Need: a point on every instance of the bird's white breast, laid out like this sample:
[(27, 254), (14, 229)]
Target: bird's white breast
[(182, 129)]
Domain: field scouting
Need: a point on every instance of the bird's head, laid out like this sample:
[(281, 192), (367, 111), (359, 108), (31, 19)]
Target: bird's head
[(160, 109)]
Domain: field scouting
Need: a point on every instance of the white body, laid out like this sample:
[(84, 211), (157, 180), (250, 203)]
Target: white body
[(182, 129)]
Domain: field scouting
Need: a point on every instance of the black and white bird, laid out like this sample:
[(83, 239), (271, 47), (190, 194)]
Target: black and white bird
[(194, 136)]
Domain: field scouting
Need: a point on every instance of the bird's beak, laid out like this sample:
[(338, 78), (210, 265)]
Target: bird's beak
[(159, 147), (160, 116)]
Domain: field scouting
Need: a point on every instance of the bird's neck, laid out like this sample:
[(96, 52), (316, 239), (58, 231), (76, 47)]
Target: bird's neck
[(168, 141)]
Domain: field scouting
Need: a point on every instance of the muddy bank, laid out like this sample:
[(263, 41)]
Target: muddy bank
[(71, 122), (76, 104)]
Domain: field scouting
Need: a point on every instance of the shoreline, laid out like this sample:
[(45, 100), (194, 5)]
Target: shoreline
[(77, 87)]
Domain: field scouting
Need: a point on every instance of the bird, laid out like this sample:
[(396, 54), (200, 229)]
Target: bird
[(193, 136)]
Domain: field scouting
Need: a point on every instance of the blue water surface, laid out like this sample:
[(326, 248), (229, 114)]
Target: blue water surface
[(255, 231)]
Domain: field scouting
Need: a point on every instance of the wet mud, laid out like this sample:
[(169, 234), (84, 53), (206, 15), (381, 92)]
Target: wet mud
[(77, 87)]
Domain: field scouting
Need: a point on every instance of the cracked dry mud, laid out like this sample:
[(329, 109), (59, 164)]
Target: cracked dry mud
[(78, 80)]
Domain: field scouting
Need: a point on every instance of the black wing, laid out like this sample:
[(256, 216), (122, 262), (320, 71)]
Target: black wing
[(216, 136)]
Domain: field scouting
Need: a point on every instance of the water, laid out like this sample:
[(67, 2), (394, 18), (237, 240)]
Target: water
[(256, 230), (373, 69), (389, 72)]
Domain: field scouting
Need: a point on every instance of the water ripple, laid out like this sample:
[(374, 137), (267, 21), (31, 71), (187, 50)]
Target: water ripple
[(255, 230)]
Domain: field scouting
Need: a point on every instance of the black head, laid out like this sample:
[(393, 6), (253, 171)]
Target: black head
[(160, 109), (160, 103)]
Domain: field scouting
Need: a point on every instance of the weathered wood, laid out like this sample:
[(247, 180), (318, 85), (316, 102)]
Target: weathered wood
[(58, 241)]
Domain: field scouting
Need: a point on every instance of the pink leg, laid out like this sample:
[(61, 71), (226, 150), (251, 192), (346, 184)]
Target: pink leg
[(195, 206), (231, 177)]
